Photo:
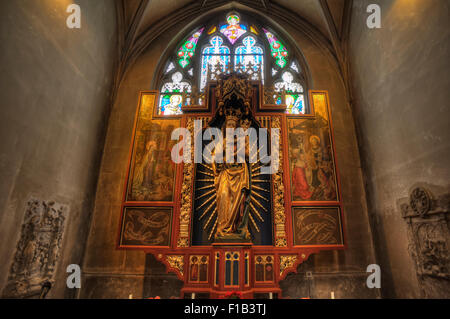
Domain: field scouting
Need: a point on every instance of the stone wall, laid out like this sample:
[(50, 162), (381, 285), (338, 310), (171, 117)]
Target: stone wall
[(401, 105), (55, 87)]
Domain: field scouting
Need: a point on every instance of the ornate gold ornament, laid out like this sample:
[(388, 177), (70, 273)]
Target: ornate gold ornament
[(186, 197), (176, 262), (287, 262), (234, 85), (232, 183), (278, 195), (195, 96), (271, 96)]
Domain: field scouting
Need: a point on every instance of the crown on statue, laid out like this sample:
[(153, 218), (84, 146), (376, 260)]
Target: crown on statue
[(233, 115)]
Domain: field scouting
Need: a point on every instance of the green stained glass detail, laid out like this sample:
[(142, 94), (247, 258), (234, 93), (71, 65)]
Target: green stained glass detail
[(278, 50), (187, 50)]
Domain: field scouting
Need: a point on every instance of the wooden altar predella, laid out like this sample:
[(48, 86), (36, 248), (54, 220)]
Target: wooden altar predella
[(173, 211)]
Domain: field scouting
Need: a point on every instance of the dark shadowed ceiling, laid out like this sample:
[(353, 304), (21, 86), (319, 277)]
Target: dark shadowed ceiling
[(311, 10), (141, 21)]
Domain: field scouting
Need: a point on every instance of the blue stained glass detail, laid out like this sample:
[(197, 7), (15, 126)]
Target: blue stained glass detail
[(212, 54), (249, 52), (170, 104), (295, 104)]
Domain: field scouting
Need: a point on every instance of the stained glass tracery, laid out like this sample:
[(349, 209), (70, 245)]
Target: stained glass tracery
[(171, 99), (254, 30), (295, 104), (170, 67), (294, 98), (177, 84), (249, 55), (288, 84), (212, 30), (187, 50), (234, 30), (212, 55), (294, 67), (230, 47), (279, 52)]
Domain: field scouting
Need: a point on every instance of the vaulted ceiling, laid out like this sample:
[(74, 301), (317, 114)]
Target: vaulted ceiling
[(313, 11), (141, 21)]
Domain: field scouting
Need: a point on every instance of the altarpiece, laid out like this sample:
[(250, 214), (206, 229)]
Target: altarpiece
[(227, 227)]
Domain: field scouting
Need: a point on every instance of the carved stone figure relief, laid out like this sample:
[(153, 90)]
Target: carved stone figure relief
[(38, 249), (429, 240)]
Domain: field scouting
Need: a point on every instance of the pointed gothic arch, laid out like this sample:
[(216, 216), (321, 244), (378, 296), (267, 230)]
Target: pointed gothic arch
[(239, 42)]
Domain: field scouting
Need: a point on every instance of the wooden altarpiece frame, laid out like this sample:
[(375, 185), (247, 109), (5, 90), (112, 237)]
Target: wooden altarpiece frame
[(161, 225)]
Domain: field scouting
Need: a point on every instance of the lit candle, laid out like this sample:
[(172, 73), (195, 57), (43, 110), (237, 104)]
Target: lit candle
[(332, 295)]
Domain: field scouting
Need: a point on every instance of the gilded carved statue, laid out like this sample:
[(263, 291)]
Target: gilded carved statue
[(232, 182), (232, 195)]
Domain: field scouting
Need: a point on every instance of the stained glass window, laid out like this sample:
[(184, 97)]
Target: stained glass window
[(212, 55), (232, 44), (171, 99), (279, 52), (177, 84), (254, 30), (187, 50), (295, 104), (170, 67), (249, 54), (294, 98), (234, 30), (170, 104), (295, 67), (212, 30)]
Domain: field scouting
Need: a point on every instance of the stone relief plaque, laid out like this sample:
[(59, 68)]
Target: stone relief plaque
[(317, 226), (146, 226), (38, 249), (426, 214)]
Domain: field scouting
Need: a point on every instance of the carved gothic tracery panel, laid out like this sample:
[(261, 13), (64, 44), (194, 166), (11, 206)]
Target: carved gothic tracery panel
[(429, 240), (38, 249)]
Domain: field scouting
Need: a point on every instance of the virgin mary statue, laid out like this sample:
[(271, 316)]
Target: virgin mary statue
[(232, 183)]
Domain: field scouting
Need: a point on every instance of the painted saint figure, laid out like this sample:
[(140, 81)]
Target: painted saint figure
[(299, 178), (312, 168), (143, 173)]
